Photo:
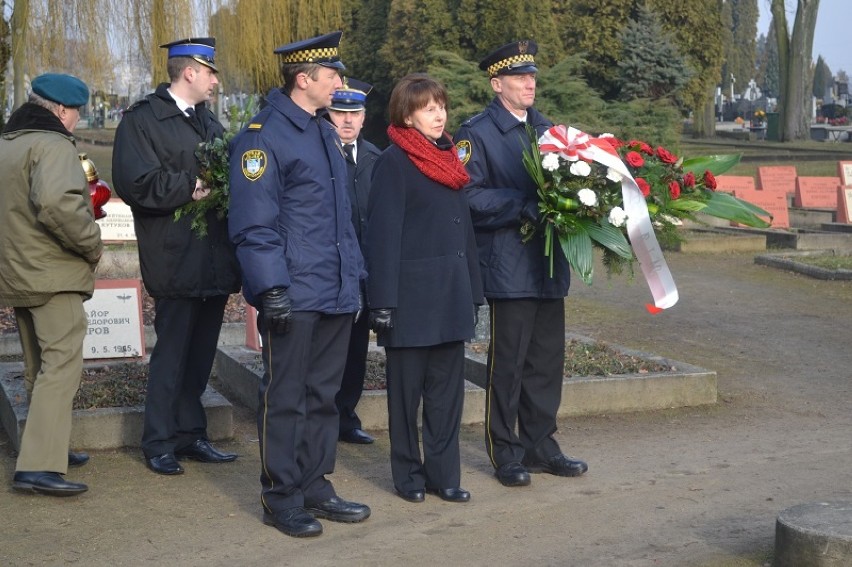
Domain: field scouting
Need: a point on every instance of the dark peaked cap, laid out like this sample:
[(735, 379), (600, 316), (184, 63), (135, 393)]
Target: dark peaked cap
[(512, 59), (202, 49), (321, 50)]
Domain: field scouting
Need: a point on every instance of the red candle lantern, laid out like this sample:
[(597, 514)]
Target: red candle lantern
[(98, 189)]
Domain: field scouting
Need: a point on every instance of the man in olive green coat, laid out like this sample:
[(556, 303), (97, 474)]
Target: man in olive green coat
[(49, 247)]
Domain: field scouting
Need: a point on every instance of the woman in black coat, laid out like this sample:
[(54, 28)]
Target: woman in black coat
[(424, 282)]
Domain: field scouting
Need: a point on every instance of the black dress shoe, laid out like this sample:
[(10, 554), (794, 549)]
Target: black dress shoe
[(412, 495), (77, 459), (295, 522), (44, 482), (512, 474), (357, 436), (164, 464), (451, 494), (560, 465), (339, 510), (201, 450)]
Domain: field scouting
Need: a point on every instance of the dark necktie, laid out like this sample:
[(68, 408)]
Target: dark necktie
[(350, 155), (193, 118)]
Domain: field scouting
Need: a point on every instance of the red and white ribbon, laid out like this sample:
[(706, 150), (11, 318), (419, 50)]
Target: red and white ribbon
[(572, 142)]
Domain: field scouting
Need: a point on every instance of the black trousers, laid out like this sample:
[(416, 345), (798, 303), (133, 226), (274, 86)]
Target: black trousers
[(524, 376), (435, 375), (187, 336), (353, 375), (297, 418)]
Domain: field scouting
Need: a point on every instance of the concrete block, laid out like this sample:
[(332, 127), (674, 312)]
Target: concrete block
[(816, 534), (106, 428)]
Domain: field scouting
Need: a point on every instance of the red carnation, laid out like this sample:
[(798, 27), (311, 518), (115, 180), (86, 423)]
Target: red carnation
[(689, 179), (674, 189), (614, 142), (635, 159), (709, 180), (643, 186), (665, 155), (646, 149)]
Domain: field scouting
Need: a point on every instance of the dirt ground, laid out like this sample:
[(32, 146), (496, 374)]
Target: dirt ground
[(681, 487)]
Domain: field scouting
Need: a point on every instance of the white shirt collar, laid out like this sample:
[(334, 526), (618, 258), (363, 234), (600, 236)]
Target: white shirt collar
[(182, 104)]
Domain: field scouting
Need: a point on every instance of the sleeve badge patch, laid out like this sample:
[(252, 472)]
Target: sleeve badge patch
[(464, 151), (254, 164)]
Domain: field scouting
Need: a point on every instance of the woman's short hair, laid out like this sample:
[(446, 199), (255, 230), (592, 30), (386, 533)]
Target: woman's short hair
[(412, 93)]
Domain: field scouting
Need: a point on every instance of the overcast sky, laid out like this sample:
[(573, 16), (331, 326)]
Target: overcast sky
[(833, 31)]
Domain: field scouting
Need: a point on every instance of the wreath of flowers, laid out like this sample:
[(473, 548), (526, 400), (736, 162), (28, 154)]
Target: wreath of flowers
[(581, 201)]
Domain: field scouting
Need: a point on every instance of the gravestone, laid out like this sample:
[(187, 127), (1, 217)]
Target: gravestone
[(114, 316), (773, 202), (731, 183), (844, 171), (117, 225), (780, 178), (816, 192), (844, 205)]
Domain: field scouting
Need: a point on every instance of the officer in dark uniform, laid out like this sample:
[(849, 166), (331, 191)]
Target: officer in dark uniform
[(155, 171), (347, 114), (290, 219), (527, 349)]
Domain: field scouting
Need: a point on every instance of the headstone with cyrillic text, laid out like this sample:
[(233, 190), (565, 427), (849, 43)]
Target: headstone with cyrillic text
[(780, 178), (816, 192), (731, 183), (117, 225), (114, 315), (773, 202)]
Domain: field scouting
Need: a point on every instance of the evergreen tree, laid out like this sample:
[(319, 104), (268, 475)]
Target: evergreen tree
[(766, 74), (591, 28), (823, 78), (650, 65), (727, 31), (696, 28), (741, 50)]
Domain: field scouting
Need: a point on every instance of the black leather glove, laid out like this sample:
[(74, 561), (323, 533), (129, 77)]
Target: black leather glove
[(360, 308), (275, 310), (530, 212), (381, 320)]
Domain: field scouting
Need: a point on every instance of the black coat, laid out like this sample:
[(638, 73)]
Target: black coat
[(359, 185), (491, 144), (154, 170), (421, 255)]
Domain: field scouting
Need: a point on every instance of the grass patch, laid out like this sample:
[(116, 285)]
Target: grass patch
[(826, 261), (596, 359)]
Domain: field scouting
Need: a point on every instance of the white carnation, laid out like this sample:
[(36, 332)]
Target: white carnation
[(613, 175), (617, 217), (587, 197), (580, 168), (550, 162)]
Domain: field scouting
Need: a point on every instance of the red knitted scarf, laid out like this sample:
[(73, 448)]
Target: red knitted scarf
[(439, 164)]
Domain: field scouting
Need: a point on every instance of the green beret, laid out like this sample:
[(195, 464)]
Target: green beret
[(63, 89)]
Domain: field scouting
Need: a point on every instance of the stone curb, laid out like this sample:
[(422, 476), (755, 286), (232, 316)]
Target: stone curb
[(239, 372), (107, 428), (787, 262)]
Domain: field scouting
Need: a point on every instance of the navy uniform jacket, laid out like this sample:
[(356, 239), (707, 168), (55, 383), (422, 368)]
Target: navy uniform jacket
[(491, 144), (421, 255), (154, 169), (289, 215)]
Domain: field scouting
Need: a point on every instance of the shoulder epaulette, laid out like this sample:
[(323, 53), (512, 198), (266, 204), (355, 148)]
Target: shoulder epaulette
[(136, 105), (473, 119)]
